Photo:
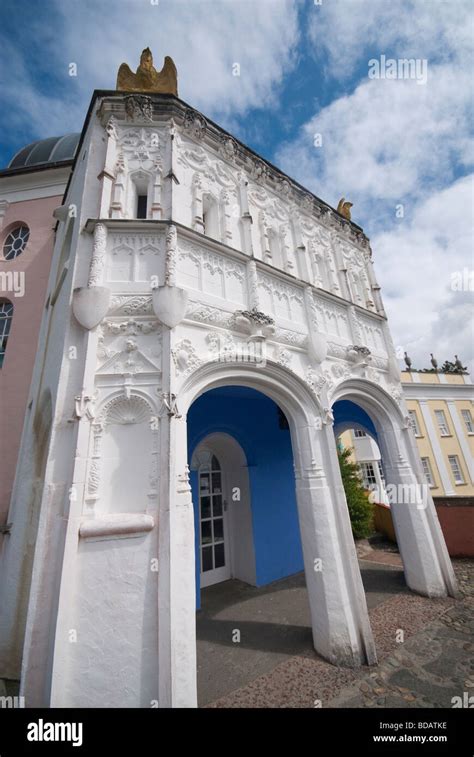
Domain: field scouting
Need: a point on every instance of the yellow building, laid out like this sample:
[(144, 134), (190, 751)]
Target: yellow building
[(440, 405)]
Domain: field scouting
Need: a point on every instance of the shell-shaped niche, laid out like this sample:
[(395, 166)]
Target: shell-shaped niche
[(123, 411), (124, 471)]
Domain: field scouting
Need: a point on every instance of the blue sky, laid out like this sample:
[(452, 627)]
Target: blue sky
[(386, 144)]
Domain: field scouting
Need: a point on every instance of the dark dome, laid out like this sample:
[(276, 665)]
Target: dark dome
[(51, 150)]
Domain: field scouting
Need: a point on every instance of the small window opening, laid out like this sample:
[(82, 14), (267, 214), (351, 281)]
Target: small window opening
[(142, 206)]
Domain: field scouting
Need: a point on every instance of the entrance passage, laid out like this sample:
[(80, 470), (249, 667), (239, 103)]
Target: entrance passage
[(243, 489), (214, 541), (274, 627)]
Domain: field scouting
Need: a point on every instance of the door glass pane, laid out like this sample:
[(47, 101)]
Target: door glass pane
[(218, 529), (204, 483), (219, 555), (206, 533), (217, 505), (215, 463), (205, 507), (216, 483), (206, 559)]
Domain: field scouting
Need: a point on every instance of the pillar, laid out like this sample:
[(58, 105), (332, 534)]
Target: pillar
[(339, 616)]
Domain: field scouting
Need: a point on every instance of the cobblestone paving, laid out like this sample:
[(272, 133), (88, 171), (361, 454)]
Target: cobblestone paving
[(431, 667), (433, 663)]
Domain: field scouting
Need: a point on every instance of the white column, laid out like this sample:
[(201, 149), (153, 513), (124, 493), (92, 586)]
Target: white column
[(426, 562), (176, 558), (341, 627)]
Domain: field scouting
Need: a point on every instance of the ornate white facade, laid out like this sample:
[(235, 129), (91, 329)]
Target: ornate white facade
[(143, 316)]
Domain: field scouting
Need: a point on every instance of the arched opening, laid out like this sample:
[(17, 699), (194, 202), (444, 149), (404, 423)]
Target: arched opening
[(426, 563), (248, 549), (210, 216), (139, 195), (331, 581), (362, 471)]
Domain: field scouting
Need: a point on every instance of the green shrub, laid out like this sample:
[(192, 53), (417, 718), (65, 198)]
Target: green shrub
[(361, 511)]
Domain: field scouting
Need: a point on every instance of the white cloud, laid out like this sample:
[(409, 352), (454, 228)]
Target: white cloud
[(391, 142), (342, 32), (415, 263), (205, 38)]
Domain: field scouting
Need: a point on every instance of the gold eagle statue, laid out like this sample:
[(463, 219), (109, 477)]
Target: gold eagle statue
[(147, 78), (344, 208)]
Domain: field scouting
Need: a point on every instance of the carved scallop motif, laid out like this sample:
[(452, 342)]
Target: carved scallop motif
[(123, 411)]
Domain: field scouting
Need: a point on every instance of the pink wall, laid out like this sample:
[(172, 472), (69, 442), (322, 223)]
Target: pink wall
[(15, 375), (457, 523)]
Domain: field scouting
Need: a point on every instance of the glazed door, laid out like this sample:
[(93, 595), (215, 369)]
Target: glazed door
[(213, 522)]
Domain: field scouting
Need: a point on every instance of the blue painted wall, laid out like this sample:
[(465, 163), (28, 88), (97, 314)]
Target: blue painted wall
[(347, 411), (252, 419)]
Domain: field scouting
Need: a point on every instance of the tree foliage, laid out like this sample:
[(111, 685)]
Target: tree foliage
[(361, 511)]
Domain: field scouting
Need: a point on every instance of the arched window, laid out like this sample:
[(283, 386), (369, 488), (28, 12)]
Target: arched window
[(16, 241), (6, 316), (275, 248), (210, 216), (138, 206)]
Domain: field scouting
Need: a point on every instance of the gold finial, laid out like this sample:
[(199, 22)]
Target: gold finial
[(344, 208), (147, 78)]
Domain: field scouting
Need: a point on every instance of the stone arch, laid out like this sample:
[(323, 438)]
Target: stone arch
[(232, 457), (283, 386), (340, 623), (426, 562)]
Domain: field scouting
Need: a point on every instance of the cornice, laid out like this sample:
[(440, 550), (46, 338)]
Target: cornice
[(447, 392)]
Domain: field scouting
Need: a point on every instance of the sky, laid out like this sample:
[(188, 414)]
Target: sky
[(399, 147)]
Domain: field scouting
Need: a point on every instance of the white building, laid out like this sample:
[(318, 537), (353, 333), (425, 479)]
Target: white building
[(367, 454), (193, 282)]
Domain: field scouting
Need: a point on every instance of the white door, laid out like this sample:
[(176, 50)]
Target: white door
[(213, 525)]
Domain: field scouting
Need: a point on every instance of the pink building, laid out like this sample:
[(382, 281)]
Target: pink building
[(31, 187)]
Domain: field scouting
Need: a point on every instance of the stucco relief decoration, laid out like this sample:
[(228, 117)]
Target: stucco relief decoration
[(258, 170), (131, 305), (124, 350), (169, 405), (222, 346), (194, 124), (126, 410), (228, 147), (315, 380), (98, 255), (334, 375), (293, 338), (358, 354), (194, 157), (196, 311), (185, 357), (183, 485), (111, 128), (328, 416), (171, 256), (84, 405), (255, 323), (283, 357), (141, 145), (396, 392), (139, 108)]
